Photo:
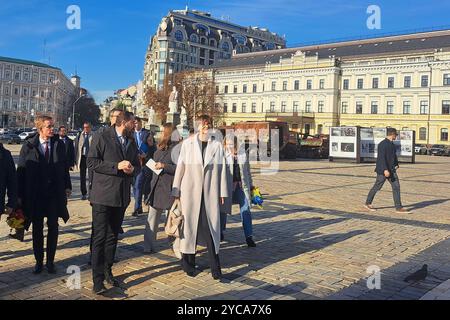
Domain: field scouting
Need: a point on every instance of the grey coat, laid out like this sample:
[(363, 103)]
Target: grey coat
[(246, 179), (193, 177)]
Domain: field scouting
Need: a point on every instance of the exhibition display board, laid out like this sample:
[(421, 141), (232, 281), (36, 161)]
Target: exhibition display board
[(344, 143)]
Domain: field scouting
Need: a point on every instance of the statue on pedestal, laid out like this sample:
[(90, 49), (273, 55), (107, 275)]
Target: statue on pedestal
[(173, 101), (151, 116)]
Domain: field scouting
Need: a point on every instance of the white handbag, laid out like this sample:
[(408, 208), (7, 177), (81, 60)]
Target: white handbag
[(174, 221)]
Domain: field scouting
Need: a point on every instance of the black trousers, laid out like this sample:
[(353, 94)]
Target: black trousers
[(106, 222), (84, 171), (188, 260), (52, 234), (379, 182)]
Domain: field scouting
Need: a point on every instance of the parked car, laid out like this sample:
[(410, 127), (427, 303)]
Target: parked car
[(4, 131), (10, 138), (25, 134), (439, 150), (72, 134), (420, 149)]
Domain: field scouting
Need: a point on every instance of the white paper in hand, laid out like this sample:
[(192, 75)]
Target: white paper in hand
[(151, 164)]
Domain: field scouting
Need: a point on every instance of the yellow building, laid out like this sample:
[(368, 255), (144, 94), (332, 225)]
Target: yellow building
[(399, 81)]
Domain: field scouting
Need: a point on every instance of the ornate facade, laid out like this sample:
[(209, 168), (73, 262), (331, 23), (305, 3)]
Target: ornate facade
[(188, 39), (399, 81)]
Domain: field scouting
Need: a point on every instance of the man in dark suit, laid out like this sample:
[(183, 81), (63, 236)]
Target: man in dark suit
[(43, 188), (8, 182), (386, 169), (68, 143), (113, 159), (140, 136), (82, 145)]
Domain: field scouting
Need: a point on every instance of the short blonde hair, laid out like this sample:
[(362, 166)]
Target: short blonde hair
[(39, 121)]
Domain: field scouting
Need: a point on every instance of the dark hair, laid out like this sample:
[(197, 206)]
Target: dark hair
[(138, 119), (128, 115), (205, 118), (191, 131), (61, 127), (391, 131), (88, 123), (115, 110)]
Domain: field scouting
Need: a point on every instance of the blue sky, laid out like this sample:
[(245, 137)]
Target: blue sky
[(109, 50)]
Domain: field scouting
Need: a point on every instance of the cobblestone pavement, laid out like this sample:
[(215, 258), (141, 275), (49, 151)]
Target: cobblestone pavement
[(314, 241)]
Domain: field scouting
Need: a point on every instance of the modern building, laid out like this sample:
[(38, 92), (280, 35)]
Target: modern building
[(29, 89), (399, 81), (188, 39)]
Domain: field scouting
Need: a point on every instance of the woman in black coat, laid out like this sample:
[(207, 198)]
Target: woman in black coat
[(147, 172), (43, 187), (160, 198)]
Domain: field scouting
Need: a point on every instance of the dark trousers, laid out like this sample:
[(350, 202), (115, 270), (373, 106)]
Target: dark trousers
[(138, 190), (395, 184), (188, 260), (83, 172), (106, 223), (52, 234)]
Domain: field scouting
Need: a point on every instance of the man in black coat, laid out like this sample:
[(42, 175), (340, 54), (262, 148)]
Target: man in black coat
[(8, 182), (68, 143), (43, 188), (113, 159), (386, 169)]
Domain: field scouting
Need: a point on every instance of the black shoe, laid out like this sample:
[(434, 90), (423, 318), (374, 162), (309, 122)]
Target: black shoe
[(216, 274), (38, 268), (135, 213), (84, 197), (191, 273), (19, 235), (121, 230), (250, 242), (109, 278), (51, 268), (99, 288), (221, 237)]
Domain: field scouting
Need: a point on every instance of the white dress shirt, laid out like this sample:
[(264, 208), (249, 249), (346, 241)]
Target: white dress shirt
[(42, 146)]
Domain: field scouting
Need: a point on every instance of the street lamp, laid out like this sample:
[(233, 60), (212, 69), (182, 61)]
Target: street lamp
[(73, 110)]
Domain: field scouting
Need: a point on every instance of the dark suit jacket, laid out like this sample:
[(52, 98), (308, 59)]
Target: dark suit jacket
[(70, 152), (160, 196), (30, 177), (8, 180), (111, 186), (387, 157)]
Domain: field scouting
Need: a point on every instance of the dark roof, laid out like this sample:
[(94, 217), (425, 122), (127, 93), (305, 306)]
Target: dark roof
[(27, 62), (425, 42)]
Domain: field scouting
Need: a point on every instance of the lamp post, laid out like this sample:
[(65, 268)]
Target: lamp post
[(73, 110)]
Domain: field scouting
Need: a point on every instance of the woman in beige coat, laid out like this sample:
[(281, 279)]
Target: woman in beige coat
[(200, 184)]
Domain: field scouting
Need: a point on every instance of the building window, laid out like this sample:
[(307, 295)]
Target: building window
[(14, 105), (295, 106), (390, 107), (321, 84), (225, 108), (16, 91), (359, 108), (297, 85), (217, 89), (6, 91), (374, 107), (308, 106), (407, 82), (424, 107), (255, 88), (179, 35), (272, 106), (446, 107), (254, 107), (284, 85), (391, 82), (424, 81), (320, 107), (244, 88), (234, 108), (309, 84), (17, 76), (360, 83), (274, 84), (346, 84), (344, 109), (406, 107), (225, 89), (375, 83), (444, 134), (194, 38), (235, 89), (25, 92), (244, 108), (422, 133), (447, 79), (283, 106), (6, 104), (320, 129)]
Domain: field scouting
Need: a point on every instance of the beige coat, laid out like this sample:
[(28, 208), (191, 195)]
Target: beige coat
[(192, 178)]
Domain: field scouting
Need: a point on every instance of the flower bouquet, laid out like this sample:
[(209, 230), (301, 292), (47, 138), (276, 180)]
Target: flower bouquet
[(16, 220), (257, 198)]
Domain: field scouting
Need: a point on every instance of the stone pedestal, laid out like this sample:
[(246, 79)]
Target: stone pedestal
[(174, 118)]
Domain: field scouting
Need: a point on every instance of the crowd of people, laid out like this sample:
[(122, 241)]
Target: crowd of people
[(201, 174)]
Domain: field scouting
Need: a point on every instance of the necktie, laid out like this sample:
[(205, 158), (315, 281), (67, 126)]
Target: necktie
[(46, 152), (86, 144)]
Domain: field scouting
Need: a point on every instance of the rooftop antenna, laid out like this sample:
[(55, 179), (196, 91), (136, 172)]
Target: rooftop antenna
[(43, 50)]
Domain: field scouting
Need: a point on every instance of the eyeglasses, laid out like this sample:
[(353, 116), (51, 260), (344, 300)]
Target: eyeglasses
[(49, 127)]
